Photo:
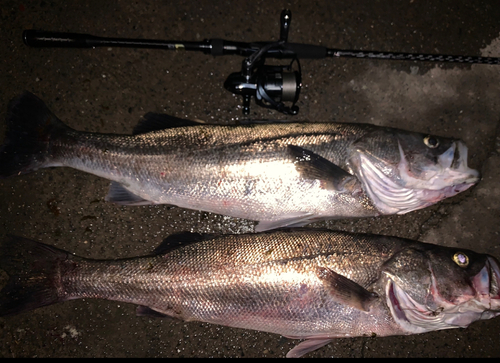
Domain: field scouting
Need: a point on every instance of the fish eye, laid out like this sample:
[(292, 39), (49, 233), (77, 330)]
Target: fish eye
[(431, 142), (461, 259)]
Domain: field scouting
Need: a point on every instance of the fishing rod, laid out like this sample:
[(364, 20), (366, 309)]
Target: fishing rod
[(271, 85)]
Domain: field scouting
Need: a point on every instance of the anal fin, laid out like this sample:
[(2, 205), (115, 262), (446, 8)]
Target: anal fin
[(307, 346), (142, 310), (118, 194), (296, 220)]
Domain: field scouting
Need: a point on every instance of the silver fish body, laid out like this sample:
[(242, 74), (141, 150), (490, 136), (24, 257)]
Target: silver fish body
[(303, 284), (281, 174)]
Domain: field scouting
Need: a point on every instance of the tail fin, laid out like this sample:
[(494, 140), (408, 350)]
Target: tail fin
[(30, 126), (34, 271)]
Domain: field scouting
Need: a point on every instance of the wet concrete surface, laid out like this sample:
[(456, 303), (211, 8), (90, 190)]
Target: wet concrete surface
[(108, 89)]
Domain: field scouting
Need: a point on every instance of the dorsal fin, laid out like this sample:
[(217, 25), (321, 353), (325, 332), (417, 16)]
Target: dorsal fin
[(180, 239), (159, 121)]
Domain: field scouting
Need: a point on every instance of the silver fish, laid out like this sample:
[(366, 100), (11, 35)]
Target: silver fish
[(307, 284), (281, 174)]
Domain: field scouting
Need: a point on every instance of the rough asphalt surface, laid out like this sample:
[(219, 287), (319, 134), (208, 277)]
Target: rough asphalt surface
[(108, 89)]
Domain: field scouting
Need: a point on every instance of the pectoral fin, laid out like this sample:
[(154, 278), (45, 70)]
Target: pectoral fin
[(314, 166), (346, 291)]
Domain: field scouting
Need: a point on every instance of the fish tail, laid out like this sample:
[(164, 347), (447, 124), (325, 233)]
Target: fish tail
[(34, 271), (30, 128)]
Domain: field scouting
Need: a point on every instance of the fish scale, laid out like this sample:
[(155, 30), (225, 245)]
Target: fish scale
[(278, 174), (310, 284), (243, 271)]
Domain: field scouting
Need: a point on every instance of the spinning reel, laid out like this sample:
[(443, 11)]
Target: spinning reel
[(271, 85)]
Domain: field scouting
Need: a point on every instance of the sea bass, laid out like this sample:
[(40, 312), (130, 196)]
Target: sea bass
[(280, 174), (307, 284)]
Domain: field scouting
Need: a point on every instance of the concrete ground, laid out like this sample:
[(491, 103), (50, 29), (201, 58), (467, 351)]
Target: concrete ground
[(108, 89)]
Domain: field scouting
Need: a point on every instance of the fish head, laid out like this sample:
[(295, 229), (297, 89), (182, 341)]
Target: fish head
[(433, 288), (405, 171)]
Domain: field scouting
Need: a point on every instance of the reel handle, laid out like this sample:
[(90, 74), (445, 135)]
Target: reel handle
[(286, 18)]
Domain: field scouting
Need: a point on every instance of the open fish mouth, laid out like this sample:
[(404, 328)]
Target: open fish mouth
[(406, 192), (414, 317), (487, 284), (451, 169)]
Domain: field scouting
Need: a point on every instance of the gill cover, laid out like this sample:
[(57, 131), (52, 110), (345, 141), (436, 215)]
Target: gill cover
[(441, 288), (403, 171)]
